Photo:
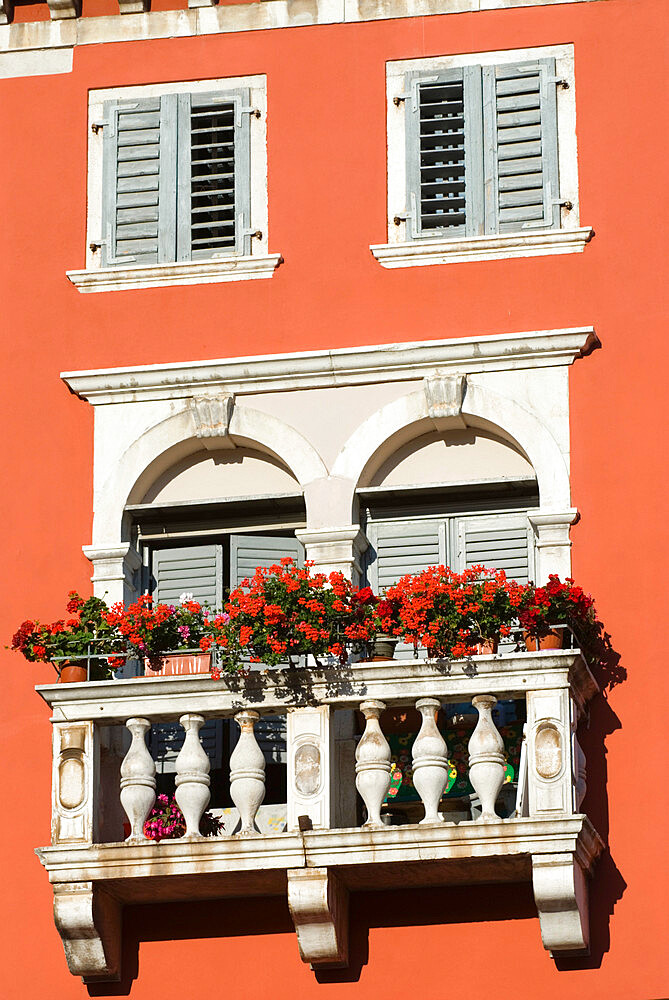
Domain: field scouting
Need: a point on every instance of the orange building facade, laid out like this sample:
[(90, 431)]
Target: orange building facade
[(366, 345)]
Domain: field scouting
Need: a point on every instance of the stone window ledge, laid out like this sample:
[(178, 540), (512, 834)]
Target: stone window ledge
[(420, 253), (198, 272)]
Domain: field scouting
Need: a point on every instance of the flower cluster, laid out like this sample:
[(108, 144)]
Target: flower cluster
[(450, 613), (166, 821), (557, 603), (86, 631), (149, 629), (284, 611)]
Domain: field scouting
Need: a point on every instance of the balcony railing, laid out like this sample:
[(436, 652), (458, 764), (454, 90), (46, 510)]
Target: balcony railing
[(336, 839)]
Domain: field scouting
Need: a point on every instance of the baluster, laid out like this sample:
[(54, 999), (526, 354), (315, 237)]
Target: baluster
[(486, 758), (430, 760), (247, 773), (138, 780), (192, 781), (372, 768)]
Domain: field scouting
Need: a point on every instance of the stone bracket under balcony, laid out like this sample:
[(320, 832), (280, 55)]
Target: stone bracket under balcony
[(317, 870)]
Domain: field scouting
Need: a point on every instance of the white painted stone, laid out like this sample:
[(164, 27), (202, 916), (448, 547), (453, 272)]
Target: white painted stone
[(6, 11), (310, 748), (73, 812), (192, 780), (88, 920), (133, 6), (561, 895), (138, 780), (247, 773), (114, 572), (430, 760), (336, 549), (549, 752), (423, 253), (318, 903), (59, 9), (486, 758), (200, 272), (372, 768), (212, 415), (552, 544)]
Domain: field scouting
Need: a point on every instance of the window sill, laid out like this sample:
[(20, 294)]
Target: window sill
[(420, 253), (112, 279)]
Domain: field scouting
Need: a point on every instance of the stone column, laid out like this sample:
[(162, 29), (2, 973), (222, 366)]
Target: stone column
[(553, 547), (336, 549), (115, 572)]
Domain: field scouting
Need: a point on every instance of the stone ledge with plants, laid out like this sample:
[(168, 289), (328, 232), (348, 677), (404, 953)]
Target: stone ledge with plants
[(285, 613)]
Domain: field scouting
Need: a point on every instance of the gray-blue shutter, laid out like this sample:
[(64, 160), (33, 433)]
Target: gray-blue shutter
[(399, 547), (198, 570), (444, 161), (214, 174), (139, 181), (521, 148), (193, 569), (499, 541)]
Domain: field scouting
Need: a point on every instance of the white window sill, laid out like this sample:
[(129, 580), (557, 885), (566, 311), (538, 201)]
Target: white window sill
[(196, 272), (420, 253)]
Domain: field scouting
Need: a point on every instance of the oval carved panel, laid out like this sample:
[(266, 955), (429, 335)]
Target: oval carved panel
[(71, 782), (548, 752), (307, 769)]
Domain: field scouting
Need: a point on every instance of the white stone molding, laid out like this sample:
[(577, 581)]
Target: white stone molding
[(6, 11), (486, 758), (336, 549), (212, 415), (561, 894), (192, 781), (88, 920), (202, 3), (134, 6), (422, 253), (343, 366), (310, 746), (552, 544), (247, 773), (73, 787), (579, 773), (61, 9), (138, 780), (372, 763), (430, 760), (114, 572), (549, 752), (318, 903), (445, 395), (192, 272), (408, 417)]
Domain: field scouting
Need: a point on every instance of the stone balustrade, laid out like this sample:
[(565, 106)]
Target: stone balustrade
[(334, 840)]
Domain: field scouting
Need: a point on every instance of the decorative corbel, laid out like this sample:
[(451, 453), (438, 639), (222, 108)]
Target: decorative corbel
[(318, 903), (445, 395), (60, 9), (212, 416), (6, 11), (88, 920)]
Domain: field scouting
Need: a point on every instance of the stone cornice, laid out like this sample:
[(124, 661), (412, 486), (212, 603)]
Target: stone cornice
[(344, 366)]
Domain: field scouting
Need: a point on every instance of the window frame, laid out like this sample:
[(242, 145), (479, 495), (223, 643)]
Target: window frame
[(403, 248)]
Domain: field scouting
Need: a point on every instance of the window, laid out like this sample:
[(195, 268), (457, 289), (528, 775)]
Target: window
[(481, 158), (177, 185)]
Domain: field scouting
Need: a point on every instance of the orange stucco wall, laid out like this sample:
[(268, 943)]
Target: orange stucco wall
[(327, 197)]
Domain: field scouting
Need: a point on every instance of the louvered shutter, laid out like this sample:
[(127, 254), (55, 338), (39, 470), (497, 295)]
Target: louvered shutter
[(139, 181), (500, 542), (444, 153), (214, 174), (521, 154), (195, 569), (399, 547)]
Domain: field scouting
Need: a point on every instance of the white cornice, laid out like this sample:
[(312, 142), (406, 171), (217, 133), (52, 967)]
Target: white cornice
[(425, 252), (343, 366), (192, 272)]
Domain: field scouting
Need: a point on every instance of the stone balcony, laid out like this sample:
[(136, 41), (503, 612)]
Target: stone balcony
[(103, 774)]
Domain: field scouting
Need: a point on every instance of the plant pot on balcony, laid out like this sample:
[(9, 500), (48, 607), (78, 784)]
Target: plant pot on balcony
[(553, 640), (72, 672), (384, 647), (175, 664), (487, 647)]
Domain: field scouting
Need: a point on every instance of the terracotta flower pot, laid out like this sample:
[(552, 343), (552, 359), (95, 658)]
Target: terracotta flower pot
[(384, 647), (72, 673), (487, 648), (551, 641), (178, 664)]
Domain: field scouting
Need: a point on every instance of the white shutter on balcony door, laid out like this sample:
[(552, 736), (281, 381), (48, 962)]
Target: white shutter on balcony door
[(500, 541)]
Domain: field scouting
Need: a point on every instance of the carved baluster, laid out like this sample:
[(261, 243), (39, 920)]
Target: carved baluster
[(192, 781), (138, 780), (486, 758), (247, 773), (372, 768), (430, 760)]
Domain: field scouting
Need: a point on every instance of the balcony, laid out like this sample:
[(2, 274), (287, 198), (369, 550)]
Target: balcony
[(331, 845)]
